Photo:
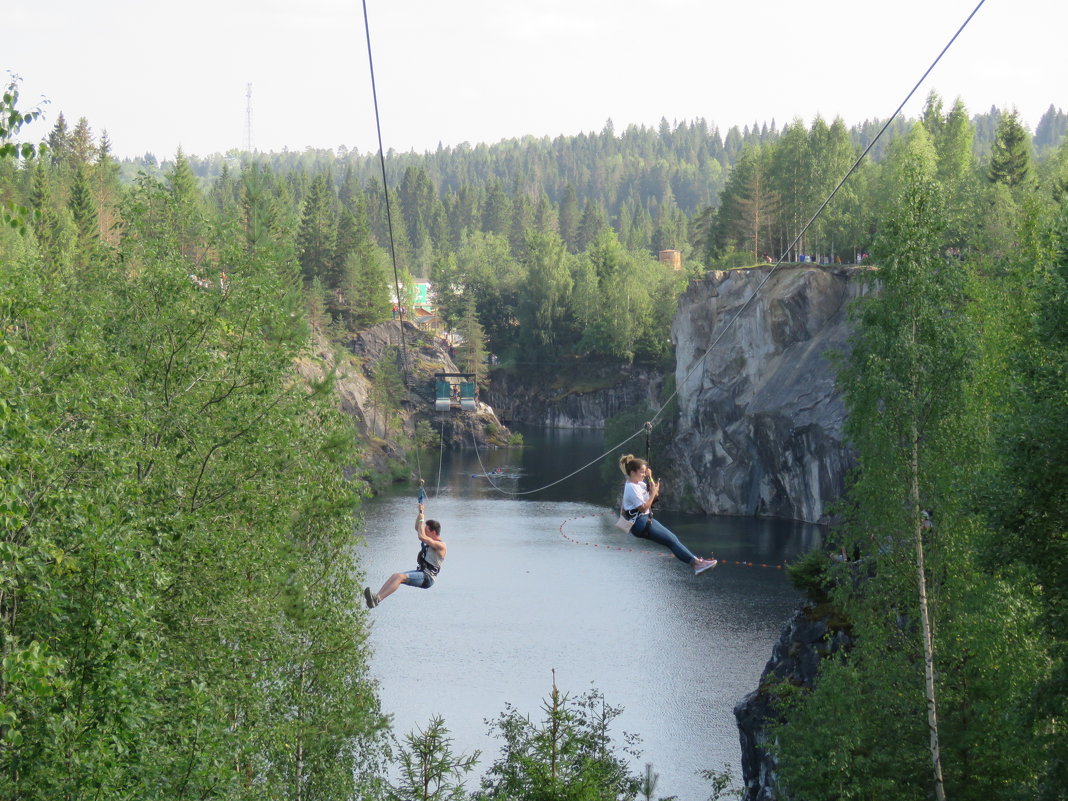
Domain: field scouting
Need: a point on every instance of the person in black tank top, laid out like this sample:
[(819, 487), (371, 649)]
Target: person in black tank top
[(429, 560)]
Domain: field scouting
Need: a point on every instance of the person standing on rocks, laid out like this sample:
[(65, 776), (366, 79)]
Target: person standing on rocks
[(429, 560), (638, 497)]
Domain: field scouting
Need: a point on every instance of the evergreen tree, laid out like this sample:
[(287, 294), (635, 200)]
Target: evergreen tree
[(522, 221), (497, 210), (545, 218), (318, 231), (83, 209), (1051, 129), (419, 208), (429, 770), (350, 237), (567, 756), (59, 147), (568, 219), (108, 189), (82, 149), (188, 209), (750, 204), (591, 225), (1010, 162), (364, 277), (486, 271)]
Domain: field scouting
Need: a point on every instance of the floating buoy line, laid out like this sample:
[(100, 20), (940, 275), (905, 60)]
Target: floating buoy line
[(605, 546)]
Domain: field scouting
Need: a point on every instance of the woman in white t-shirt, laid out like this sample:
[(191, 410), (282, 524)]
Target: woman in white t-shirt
[(638, 495)]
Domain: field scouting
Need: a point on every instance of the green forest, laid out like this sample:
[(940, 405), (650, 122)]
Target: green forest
[(177, 505)]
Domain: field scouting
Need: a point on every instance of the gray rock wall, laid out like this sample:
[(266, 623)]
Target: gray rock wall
[(760, 421), (533, 400), (795, 659)]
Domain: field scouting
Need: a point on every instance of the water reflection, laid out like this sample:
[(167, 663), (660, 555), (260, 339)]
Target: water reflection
[(517, 599)]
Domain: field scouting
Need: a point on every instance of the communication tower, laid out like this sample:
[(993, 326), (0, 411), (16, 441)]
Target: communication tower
[(248, 118)]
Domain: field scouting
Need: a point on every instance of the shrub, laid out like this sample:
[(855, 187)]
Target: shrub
[(809, 574)]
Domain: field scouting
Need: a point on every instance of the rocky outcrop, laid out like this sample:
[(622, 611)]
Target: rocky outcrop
[(760, 421), (810, 636), (575, 396), (416, 357)]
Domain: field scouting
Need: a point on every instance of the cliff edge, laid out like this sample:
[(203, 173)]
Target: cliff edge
[(760, 420)]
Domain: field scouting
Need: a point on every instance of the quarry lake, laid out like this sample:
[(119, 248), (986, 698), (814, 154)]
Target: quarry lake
[(545, 581)]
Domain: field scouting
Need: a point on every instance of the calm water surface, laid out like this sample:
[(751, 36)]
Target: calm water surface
[(517, 599)]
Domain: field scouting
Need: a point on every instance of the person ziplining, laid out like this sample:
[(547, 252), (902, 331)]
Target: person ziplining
[(639, 493), (429, 560)]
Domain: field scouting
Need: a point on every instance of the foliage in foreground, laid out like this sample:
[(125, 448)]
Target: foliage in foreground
[(938, 698), (176, 532)]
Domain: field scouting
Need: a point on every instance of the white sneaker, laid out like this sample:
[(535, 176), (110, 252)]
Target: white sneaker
[(703, 565)]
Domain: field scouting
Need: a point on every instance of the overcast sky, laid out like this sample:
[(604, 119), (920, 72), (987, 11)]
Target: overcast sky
[(158, 75)]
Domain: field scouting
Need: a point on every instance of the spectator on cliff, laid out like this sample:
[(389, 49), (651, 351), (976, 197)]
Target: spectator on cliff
[(428, 563), (638, 498)]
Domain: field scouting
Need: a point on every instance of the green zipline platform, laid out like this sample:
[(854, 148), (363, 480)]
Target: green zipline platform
[(455, 390)]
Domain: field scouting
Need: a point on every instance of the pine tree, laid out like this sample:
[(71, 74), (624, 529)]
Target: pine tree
[(522, 221), (83, 209), (107, 189), (497, 210), (47, 223), (591, 225), (1010, 161), (1051, 129), (318, 231), (82, 149), (568, 219), (59, 142), (188, 209)]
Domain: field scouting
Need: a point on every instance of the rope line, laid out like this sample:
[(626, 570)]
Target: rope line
[(590, 463), (771, 272), (389, 217), (649, 552)]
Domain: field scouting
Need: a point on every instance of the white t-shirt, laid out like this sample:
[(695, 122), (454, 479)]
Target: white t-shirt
[(634, 495)]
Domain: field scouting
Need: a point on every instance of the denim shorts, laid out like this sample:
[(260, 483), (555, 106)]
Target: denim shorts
[(418, 578)]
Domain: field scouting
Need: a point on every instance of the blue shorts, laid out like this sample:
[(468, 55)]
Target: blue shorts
[(418, 578)]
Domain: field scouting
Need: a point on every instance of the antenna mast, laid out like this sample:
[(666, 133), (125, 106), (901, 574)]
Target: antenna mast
[(248, 118)]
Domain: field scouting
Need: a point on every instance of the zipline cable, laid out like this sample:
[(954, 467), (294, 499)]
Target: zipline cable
[(389, 219), (554, 483), (771, 272)]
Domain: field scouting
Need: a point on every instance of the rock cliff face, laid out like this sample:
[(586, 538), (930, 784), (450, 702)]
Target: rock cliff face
[(553, 401), (760, 423), (807, 639), (353, 386)]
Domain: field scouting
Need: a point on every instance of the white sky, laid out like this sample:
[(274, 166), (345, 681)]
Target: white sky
[(158, 75)]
